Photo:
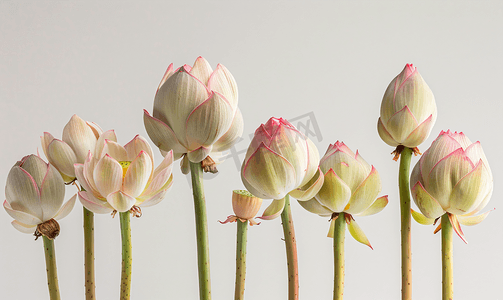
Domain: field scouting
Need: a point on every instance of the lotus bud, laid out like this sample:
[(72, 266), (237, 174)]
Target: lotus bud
[(245, 207), (34, 195), (195, 113), (79, 137), (350, 185), (454, 177), (122, 178), (408, 110)]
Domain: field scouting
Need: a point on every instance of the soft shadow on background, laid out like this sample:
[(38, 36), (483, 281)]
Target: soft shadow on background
[(330, 60)]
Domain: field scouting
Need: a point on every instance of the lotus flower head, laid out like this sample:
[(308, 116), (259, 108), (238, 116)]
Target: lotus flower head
[(195, 112), (408, 110), (119, 178), (79, 137), (350, 186), (452, 176), (35, 192)]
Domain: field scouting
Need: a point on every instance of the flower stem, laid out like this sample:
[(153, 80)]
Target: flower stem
[(203, 252), (403, 183), (447, 263), (89, 254), (291, 251), (339, 235), (127, 258), (52, 272), (241, 260)]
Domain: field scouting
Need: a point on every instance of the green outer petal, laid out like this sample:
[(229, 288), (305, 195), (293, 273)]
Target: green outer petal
[(356, 232), (199, 154), (347, 168), (331, 230), (269, 173), (365, 194), (428, 205), (334, 194), (457, 227), (421, 219), (313, 206), (310, 189), (378, 205), (208, 121), (472, 220), (446, 174), (420, 134), (415, 93), (274, 210), (470, 191), (232, 135), (401, 124), (121, 202)]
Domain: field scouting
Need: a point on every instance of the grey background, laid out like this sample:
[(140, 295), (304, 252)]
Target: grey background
[(104, 60)]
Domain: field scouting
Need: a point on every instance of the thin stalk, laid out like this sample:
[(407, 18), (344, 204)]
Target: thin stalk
[(89, 254), (291, 251), (403, 183), (203, 251), (127, 257), (339, 236), (52, 272), (447, 263), (239, 291)]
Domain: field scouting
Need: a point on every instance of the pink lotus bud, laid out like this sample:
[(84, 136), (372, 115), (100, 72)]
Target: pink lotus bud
[(281, 160), (79, 137), (35, 192), (195, 112), (452, 176), (120, 177), (408, 110)]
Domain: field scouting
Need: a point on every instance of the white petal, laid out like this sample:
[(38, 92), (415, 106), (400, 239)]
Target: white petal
[(52, 193), (61, 155), (66, 208), (93, 204), (107, 176), (120, 201), (22, 192), (21, 216), (30, 229), (78, 135), (137, 175)]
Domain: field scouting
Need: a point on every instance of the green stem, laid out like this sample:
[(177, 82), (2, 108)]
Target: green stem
[(447, 263), (203, 252), (52, 272), (127, 258), (239, 292), (339, 235), (89, 254), (403, 182), (291, 251)]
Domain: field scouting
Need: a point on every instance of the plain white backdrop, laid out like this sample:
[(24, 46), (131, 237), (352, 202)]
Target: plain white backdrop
[(103, 61)]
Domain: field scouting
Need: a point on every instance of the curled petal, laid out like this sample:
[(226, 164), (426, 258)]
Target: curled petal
[(107, 176), (24, 228), (79, 136), (137, 175), (66, 208), (385, 135), (357, 233), (334, 194), (269, 173), (94, 204), (457, 227), (470, 191), (421, 219), (162, 135), (232, 135), (199, 154), (310, 189), (428, 205), (223, 82), (208, 121), (365, 194), (156, 198), (21, 216), (273, 210), (420, 134), (376, 207), (52, 193), (161, 175), (95, 128), (22, 192), (315, 207), (62, 157), (120, 201), (472, 220), (185, 165)]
